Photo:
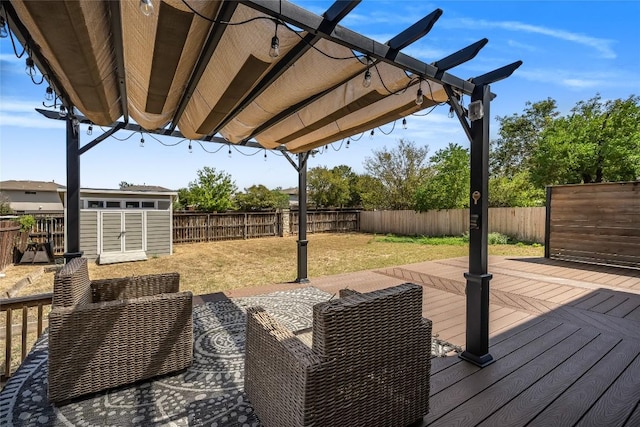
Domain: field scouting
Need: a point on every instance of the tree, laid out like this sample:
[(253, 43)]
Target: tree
[(519, 136), (124, 184), (370, 192), (515, 191), (212, 191), (399, 172), (599, 141), (259, 197), (334, 187), (448, 188)]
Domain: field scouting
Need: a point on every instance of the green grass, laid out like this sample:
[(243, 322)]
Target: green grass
[(424, 240)]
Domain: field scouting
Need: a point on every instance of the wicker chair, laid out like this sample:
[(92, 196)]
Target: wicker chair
[(369, 363), (108, 333)]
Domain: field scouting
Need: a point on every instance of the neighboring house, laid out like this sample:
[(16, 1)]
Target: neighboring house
[(125, 225), (32, 197), (293, 195)]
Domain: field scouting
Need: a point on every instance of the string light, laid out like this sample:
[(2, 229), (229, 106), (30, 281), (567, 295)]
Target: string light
[(265, 155), (348, 142), (404, 123), (3, 28), (419, 96), (366, 81), (63, 111), (229, 153), (90, 130), (450, 112), (146, 7), (190, 147), (371, 134), (48, 94), (141, 141), (274, 52), (30, 67)]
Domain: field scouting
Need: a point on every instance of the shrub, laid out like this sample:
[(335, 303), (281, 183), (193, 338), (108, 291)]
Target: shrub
[(26, 222)]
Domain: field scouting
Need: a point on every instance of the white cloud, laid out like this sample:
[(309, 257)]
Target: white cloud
[(29, 121), (522, 46), (602, 46)]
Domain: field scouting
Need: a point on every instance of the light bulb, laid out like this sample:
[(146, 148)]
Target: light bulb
[(90, 130), (371, 134), (274, 52), (142, 141), (348, 142), (366, 82), (3, 28), (450, 112), (190, 147), (265, 155), (63, 111), (146, 7), (30, 67), (229, 154), (419, 97), (48, 94)]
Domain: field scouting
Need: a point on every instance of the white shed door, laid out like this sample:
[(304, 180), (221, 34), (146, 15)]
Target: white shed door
[(122, 231)]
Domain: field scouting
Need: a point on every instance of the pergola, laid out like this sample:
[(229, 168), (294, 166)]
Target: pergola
[(258, 73)]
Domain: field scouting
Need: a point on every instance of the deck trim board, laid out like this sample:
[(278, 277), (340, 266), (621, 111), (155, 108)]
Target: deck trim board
[(534, 399), (502, 392), (457, 393), (616, 404), (585, 391)]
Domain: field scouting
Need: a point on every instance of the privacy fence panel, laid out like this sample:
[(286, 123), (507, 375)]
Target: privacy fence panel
[(522, 223), (597, 223), (206, 227), (9, 231), (327, 221)]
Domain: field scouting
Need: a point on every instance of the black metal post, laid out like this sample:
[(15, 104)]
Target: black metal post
[(547, 225), (302, 219), (477, 343), (72, 227)]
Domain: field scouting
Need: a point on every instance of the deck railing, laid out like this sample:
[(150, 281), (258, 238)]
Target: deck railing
[(22, 305)]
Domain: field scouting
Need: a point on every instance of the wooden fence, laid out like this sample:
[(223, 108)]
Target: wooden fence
[(595, 223), (327, 221), (9, 231), (526, 224), (206, 227), (46, 227)]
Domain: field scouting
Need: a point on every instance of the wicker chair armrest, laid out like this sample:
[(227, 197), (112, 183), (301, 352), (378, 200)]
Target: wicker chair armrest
[(123, 288)]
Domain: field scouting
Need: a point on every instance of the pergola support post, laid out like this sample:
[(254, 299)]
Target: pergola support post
[(72, 227), (477, 337), (302, 219)]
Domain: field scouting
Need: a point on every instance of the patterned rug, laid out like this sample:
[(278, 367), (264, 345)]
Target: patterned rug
[(209, 393)]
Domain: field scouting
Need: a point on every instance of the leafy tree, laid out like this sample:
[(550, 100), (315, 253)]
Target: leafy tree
[(599, 141), (212, 191), (125, 184), (370, 191), (5, 206), (515, 191), (519, 136), (332, 187), (399, 172), (448, 188), (259, 197)]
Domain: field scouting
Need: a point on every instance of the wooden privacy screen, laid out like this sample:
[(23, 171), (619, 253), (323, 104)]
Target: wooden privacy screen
[(597, 223)]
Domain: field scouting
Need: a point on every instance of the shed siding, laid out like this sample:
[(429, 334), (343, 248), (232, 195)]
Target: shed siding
[(89, 234), (158, 233), (134, 230)]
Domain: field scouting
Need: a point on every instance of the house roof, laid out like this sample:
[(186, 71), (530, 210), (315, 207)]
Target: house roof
[(154, 188), (16, 185), (206, 69)]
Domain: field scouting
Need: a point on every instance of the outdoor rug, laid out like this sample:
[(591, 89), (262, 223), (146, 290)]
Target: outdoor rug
[(209, 393)]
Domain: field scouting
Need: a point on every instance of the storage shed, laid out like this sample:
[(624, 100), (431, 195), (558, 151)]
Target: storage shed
[(125, 225)]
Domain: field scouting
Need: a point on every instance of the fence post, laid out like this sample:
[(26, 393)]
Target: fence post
[(547, 224)]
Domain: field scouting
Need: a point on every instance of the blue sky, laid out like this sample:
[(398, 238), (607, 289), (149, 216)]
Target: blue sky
[(571, 51)]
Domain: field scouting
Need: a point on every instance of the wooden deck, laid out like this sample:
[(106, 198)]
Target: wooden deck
[(565, 337)]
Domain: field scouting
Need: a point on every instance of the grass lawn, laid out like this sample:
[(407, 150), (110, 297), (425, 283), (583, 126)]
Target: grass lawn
[(218, 266)]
